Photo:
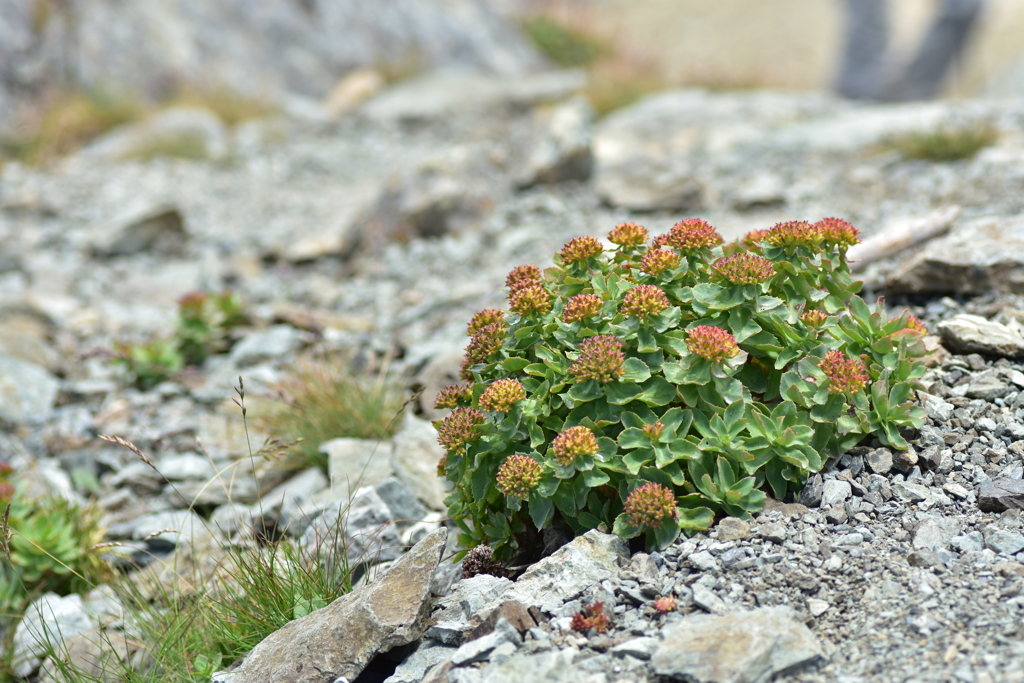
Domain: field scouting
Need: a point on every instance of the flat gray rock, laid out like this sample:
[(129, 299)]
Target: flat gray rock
[(550, 667), (752, 647), (341, 639), (158, 228), (967, 333), (1001, 494), (982, 256), (584, 561)]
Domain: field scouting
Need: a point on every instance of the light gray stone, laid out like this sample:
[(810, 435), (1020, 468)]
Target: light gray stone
[(415, 457), (879, 460), (835, 492), (362, 527), (703, 561), (641, 648), (559, 147), (448, 632), (557, 665), (910, 493), (474, 595), (929, 535), (184, 466), (733, 529), (1005, 542), (936, 407), (276, 341), (966, 333), (340, 640), (584, 561), (706, 599), (413, 667), (479, 649), (178, 131), (164, 529), (988, 387), (27, 391), (817, 607), (354, 463), (980, 256), (442, 94), (48, 620), (752, 647), (158, 228)]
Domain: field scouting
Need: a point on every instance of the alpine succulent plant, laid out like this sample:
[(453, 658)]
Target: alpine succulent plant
[(648, 385)]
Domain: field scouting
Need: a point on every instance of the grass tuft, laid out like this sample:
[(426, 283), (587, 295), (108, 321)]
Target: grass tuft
[(564, 45), (323, 399), (946, 143), (66, 121)]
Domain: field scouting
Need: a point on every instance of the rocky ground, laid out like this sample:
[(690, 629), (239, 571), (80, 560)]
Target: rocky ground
[(385, 229)]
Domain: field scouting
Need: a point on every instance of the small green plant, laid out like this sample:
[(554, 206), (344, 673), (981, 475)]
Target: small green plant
[(49, 544), (323, 399), (205, 323), (643, 389), (947, 143), (565, 46)]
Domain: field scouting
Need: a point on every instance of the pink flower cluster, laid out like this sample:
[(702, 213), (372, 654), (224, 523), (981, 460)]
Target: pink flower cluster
[(572, 443), (502, 395), (581, 307), (657, 261), (845, 375), (743, 268), (691, 234), (648, 506), (522, 276), (519, 475), (628, 235), (580, 249), (600, 358), (452, 396), (712, 343), (643, 301), (459, 428)]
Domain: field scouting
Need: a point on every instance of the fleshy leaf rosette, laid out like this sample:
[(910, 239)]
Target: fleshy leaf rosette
[(655, 385)]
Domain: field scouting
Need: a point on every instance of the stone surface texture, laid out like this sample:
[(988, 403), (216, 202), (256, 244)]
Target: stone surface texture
[(750, 648), (341, 639)]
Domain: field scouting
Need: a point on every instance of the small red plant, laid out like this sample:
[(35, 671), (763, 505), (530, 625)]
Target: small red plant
[(665, 604), (592, 617)]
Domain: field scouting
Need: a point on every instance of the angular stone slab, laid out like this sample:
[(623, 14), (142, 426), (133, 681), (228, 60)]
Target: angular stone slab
[(341, 639), (581, 563), (966, 333), (981, 256), (752, 647), (1001, 494)]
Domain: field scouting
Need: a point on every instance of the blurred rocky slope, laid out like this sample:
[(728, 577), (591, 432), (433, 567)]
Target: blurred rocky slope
[(270, 50)]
